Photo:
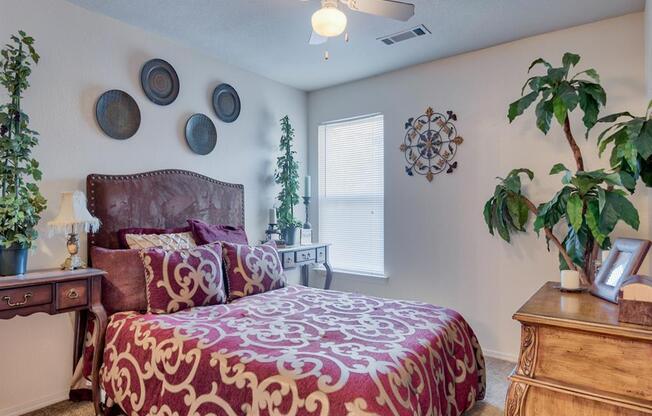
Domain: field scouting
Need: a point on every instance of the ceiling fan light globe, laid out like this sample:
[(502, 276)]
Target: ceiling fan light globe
[(329, 22)]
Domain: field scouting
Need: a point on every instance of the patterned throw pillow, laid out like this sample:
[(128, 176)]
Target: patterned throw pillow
[(252, 270), (175, 241), (181, 279)]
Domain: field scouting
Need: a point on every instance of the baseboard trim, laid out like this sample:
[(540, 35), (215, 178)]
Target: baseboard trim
[(35, 404), (500, 355)]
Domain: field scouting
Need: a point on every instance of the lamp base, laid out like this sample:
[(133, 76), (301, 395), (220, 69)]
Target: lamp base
[(73, 262)]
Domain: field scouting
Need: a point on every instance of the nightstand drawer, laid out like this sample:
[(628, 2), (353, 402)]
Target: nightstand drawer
[(304, 256), (72, 294), (321, 254), (24, 297), (288, 260)]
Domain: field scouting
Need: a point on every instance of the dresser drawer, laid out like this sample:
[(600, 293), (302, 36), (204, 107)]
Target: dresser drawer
[(288, 260), (304, 256), (72, 294), (24, 297), (321, 254)]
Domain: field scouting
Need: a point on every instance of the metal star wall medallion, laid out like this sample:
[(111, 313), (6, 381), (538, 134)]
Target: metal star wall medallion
[(430, 144)]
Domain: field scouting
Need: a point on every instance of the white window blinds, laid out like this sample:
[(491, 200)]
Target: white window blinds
[(351, 193)]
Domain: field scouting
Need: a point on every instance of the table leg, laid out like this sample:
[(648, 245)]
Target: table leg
[(305, 275), (81, 319), (329, 275), (101, 322)]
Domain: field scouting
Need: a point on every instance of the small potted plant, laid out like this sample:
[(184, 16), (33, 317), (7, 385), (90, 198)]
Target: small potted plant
[(287, 175), (21, 203)]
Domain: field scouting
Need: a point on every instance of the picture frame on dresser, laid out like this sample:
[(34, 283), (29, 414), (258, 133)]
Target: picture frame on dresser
[(625, 258)]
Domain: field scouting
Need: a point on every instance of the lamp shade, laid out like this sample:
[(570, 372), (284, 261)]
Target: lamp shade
[(329, 21), (73, 212)]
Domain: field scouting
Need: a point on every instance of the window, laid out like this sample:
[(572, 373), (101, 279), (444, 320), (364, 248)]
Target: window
[(351, 193)]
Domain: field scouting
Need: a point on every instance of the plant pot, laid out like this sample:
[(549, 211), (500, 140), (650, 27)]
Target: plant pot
[(13, 260), (291, 235)]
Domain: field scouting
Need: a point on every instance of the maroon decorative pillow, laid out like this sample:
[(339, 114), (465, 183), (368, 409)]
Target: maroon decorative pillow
[(122, 234), (251, 270), (209, 233), (123, 288), (181, 279)]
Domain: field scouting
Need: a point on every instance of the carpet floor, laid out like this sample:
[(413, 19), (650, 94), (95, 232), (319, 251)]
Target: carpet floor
[(492, 405)]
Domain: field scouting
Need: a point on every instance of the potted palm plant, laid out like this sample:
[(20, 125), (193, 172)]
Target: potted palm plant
[(590, 203), (287, 175), (21, 202)]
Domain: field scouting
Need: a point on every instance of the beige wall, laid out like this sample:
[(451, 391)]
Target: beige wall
[(437, 248), (84, 54)]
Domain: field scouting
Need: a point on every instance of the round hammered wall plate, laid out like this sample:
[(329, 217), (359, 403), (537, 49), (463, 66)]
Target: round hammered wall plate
[(159, 81), (201, 134), (117, 114), (226, 103)]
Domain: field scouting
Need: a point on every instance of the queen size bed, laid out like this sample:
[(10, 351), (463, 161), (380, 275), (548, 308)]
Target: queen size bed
[(290, 351)]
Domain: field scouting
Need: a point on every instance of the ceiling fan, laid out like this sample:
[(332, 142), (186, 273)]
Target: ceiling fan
[(329, 21)]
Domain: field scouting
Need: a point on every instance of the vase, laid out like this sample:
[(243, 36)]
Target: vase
[(13, 260), (290, 235)]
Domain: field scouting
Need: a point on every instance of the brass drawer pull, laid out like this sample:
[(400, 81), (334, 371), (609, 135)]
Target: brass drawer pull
[(73, 294), (11, 304)]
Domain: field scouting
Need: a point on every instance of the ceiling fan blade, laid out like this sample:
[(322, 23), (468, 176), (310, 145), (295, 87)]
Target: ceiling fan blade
[(387, 8), (316, 39)]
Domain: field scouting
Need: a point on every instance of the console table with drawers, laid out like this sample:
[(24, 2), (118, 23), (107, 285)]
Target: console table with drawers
[(305, 257), (58, 291)]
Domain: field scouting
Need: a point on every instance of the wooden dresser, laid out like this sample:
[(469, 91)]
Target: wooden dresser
[(577, 359)]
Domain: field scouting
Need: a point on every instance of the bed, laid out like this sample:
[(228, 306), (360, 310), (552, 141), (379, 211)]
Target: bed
[(291, 351)]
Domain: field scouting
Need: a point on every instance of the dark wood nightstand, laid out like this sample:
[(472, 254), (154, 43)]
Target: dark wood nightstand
[(59, 291), (306, 256)]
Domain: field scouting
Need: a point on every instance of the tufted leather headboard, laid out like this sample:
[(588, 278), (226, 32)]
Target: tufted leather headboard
[(160, 199)]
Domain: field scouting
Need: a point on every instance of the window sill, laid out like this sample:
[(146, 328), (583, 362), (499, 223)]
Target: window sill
[(353, 275)]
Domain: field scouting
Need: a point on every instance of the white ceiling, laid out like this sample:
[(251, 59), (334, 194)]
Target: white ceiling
[(270, 37)]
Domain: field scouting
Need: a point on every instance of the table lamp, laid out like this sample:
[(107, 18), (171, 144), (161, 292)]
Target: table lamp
[(73, 216)]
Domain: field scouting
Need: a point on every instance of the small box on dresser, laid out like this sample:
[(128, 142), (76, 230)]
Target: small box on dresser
[(635, 301)]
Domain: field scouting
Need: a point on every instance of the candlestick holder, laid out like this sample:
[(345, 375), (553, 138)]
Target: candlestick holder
[(306, 232), (306, 202), (273, 233)]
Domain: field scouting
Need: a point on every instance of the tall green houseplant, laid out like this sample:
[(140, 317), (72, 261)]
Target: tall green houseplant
[(287, 175), (590, 203), (21, 203)]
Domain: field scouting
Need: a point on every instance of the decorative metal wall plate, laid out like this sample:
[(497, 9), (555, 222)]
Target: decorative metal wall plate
[(226, 103), (430, 144), (159, 81), (117, 114), (201, 134)]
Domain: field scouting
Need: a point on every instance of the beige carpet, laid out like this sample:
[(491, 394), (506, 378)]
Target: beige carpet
[(492, 405)]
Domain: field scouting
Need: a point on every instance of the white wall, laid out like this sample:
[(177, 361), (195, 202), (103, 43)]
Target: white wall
[(84, 54), (437, 247)]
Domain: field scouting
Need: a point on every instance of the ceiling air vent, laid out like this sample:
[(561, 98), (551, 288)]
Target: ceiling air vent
[(415, 32)]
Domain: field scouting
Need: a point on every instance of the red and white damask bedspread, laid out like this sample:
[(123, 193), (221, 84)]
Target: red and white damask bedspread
[(295, 351)]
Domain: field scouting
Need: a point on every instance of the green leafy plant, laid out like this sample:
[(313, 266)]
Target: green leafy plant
[(21, 203), (631, 140), (287, 175), (590, 203)]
